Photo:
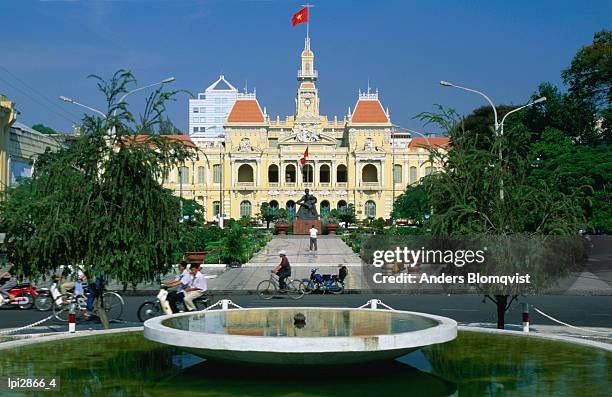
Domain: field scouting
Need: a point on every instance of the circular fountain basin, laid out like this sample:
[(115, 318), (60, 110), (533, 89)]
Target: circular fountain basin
[(279, 336)]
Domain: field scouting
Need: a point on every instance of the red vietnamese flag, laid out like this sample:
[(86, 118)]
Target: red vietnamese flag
[(300, 17), (303, 159)]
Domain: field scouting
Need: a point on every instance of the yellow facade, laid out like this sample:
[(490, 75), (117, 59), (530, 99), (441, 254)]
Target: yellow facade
[(8, 115), (357, 159)]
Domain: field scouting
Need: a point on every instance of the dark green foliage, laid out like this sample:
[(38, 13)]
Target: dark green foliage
[(347, 214), (413, 204), (167, 127), (43, 129), (268, 214), (98, 203)]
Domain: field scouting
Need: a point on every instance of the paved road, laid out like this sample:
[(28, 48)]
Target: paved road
[(593, 311)]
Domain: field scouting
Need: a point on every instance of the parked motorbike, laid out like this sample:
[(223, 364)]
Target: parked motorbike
[(323, 283), (25, 294)]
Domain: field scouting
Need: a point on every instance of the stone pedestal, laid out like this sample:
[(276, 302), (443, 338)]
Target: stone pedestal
[(302, 226)]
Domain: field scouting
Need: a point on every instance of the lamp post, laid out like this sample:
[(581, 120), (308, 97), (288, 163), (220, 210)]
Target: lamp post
[(499, 127), (70, 100)]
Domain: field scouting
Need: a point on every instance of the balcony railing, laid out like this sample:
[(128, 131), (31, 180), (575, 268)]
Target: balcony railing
[(312, 75), (245, 185), (370, 185), (324, 184), (273, 184), (341, 184)]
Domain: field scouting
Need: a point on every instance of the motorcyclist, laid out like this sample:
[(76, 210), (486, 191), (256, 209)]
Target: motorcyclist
[(9, 281), (283, 270), (182, 280)]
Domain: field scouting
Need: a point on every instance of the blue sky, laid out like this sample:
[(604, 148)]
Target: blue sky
[(404, 48)]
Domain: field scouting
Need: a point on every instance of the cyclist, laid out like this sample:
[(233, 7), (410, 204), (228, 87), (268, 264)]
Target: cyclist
[(182, 280), (196, 288), (283, 270), (9, 282)]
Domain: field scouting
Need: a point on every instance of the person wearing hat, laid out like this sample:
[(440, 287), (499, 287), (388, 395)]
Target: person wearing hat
[(283, 270)]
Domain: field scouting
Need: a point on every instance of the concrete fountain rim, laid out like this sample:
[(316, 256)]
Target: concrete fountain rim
[(444, 331)]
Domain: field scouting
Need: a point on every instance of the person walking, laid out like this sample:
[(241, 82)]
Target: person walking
[(282, 270), (313, 238)]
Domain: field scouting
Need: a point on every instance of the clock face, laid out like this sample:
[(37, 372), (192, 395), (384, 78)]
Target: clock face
[(307, 102)]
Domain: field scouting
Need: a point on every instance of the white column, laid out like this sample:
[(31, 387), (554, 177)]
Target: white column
[(281, 173), (208, 173), (357, 176), (332, 176), (315, 173), (298, 174), (258, 161), (382, 171), (232, 171)]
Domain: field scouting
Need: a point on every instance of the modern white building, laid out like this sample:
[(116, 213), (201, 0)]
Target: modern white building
[(207, 113)]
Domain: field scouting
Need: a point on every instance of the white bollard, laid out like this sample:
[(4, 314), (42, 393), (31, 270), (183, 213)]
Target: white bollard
[(225, 304), (71, 320), (373, 303), (525, 316)]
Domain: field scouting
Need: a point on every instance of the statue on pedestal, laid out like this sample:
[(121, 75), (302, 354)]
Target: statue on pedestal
[(308, 206)]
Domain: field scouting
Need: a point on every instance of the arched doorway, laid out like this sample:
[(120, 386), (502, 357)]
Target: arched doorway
[(369, 173), (370, 209), (324, 208), (290, 208), (245, 173), (245, 209), (273, 173), (290, 173)]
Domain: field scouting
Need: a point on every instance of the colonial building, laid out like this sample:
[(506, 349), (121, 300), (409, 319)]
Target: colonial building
[(356, 159)]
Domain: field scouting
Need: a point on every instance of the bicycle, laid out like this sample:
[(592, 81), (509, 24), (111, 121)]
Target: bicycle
[(155, 308), (267, 289), (112, 301)]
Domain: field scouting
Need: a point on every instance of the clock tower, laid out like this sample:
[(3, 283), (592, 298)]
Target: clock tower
[(307, 101)]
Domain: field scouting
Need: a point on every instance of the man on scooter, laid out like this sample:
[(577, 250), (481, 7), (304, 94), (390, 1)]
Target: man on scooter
[(181, 281), (9, 282)]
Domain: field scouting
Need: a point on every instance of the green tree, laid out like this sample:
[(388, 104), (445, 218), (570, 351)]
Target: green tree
[(465, 197), (267, 214), (413, 204), (167, 127), (43, 129), (347, 215), (98, 203)]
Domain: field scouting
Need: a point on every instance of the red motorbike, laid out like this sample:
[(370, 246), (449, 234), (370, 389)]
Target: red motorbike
[(24, 293)]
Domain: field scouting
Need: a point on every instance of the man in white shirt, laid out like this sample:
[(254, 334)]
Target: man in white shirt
[(182, 280), (313, 238), (196, 288)]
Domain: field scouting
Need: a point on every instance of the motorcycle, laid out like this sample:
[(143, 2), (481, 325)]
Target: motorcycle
[(325, 282), (161, 306), (25, 294)]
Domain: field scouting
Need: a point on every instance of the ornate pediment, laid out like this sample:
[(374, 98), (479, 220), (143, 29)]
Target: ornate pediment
[(309, 134)]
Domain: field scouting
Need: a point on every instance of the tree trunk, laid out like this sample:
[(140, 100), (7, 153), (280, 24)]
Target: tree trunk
[(501, 302), (99, 305)]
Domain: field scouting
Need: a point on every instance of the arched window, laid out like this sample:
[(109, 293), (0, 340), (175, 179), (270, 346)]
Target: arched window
[(216, 208), (341, 204), (413, 174), (324, 173), (397, 173), (428, 170), (369, 173), (307, 173), (245, 173), (201, 175), (290, 173), (273, 173), (274, 204), (216, 173), (370, 209), (341, 174), (245, 209), (324, 207), (184, 175), (290, 208)]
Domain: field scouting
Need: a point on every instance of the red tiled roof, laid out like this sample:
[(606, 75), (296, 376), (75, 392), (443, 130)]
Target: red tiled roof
[(369, 111), (142, 138), (427, 142), (246, 111)]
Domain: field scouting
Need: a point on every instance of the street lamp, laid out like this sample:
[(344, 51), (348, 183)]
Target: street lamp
[(70, 100), (499, 127), (164, 81)]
